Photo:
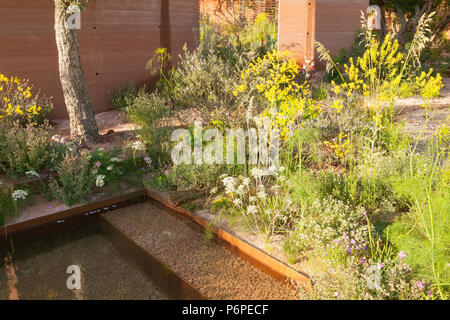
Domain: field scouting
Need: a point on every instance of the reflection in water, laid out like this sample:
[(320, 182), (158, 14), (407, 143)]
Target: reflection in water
[(37, 269)]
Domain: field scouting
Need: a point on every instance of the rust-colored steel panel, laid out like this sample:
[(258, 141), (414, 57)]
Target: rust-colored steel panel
[(116, 39), (337, 21), (296, 27), (331, 22)]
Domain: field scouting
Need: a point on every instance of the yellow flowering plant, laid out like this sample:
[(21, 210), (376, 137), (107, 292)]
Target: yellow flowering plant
[(341, 146), (377, 77), (17, 103), (272, 78)]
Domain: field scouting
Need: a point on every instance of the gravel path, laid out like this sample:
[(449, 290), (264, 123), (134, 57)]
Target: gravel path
[(208, 267), (409, 110)]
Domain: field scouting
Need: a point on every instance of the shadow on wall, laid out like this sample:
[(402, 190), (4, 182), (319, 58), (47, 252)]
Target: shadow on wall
[(116, 39)]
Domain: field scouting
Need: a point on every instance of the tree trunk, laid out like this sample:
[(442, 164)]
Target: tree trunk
[(384, 29), (83, 128), (441, 26), (410, 25)]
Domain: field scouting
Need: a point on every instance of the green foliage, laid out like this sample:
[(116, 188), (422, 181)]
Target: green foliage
[(328, 220), (351, 282), (205, 82), (123, 96), (424, 231), (76, 178), (24, 149), (259, 37), (7, 203), (149, 110), (113, 165), (320, 91)]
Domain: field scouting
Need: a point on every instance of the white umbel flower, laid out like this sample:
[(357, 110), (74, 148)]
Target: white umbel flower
[(32, 173), (261, 194), (246, 181), (237, 202), (19, 194), (229, 183), (251, 209), (100, 180), (241, 190), (138, 145)]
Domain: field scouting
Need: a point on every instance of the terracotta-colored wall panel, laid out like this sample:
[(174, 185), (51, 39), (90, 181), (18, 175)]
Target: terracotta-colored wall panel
[(331, 22), (337, 21), (116, 39), (295, 22)]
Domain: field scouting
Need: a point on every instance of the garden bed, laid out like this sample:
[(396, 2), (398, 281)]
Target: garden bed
[(42, 212)]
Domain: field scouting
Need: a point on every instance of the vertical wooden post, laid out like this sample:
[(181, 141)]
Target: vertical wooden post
[(296, 25), (310, 29)]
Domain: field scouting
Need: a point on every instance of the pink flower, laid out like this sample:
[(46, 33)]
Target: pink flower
[(420, 284), (402, 255), (166, 172)]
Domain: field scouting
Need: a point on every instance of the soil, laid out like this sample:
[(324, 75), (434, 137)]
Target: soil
[(207, 266), (114, 127), (411, 112)]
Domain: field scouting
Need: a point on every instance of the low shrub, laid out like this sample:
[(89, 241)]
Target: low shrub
[(423, 232), (149, 111), (328, 220), (364, 281), (113, 165), (24, 149), (123, 96), (204, 82), (18, 104), (76, 178), (11, 200)]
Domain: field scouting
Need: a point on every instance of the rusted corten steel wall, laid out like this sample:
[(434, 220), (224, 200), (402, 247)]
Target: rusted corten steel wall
[(116, 39), (332, 22), (337, 21)]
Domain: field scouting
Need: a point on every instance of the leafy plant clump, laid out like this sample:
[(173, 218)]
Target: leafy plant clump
[(76, 178)]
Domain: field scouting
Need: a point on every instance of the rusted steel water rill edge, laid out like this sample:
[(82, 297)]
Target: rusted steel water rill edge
[(242, 248), (77, 211)]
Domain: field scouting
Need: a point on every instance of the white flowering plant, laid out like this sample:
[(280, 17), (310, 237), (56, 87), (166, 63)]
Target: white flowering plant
[(76, 178), (113, 165), (262, 206)]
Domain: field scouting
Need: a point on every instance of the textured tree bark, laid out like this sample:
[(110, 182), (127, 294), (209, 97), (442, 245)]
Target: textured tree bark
[(410, 25), (83, 128), (384, 29)]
